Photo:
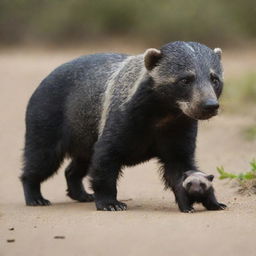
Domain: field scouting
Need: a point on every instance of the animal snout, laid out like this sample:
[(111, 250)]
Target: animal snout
[(210, 105), (196, 191)]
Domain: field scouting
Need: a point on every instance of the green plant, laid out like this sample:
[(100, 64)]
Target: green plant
[(240, 177), (246, 180)]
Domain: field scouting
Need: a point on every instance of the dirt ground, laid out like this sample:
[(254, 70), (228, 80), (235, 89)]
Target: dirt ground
[(152, 225)]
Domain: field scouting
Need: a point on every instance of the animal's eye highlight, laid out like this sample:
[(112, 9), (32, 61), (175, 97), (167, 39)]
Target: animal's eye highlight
[(186, 80), (215, 80)]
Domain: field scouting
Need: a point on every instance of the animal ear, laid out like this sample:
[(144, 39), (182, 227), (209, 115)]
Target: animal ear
[(218, 51), (151, 57), (210, 177), (186, 174)]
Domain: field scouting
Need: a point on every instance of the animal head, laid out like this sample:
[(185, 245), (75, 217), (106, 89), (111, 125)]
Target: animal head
[(197, 183), (188, 75)]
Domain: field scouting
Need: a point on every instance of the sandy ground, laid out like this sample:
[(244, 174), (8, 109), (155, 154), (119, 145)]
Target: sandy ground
[(152, 225)]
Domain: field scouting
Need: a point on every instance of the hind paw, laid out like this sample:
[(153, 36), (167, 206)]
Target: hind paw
[(112, 205), (40, 201), (82, 197), (188, 210), (222, 206), (215, 207)]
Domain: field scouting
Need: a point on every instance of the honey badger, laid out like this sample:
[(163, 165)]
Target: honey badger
[(198, 186), (106, 111)]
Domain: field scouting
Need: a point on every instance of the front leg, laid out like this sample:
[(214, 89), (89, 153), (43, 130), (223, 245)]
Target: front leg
[(211, 203), (105, 170), (176, 148), (183, 201), (172, 176)]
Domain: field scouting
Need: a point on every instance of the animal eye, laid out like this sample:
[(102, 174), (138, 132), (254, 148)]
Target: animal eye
[(215, 80), (186, 80), (203, 186), (189, 184)]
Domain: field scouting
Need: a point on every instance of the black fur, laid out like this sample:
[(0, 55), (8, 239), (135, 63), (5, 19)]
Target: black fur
[(63, 117)]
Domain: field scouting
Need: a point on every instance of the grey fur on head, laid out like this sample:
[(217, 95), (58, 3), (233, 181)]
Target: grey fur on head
[(165, 66), (193, 181)]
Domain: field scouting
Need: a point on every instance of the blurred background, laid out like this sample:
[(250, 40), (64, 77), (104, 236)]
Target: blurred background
[(80, 21)]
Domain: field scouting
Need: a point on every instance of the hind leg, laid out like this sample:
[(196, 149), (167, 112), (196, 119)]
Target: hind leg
[(75, 173), (39, 164)]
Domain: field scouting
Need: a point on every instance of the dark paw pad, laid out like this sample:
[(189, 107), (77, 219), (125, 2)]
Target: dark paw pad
[(111, 206), (38, 202)]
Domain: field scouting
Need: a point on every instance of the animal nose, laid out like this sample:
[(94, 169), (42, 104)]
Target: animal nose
[(197, 191), (210, 105)]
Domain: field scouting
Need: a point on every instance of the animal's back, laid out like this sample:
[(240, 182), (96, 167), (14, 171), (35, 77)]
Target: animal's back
[(67, 104)]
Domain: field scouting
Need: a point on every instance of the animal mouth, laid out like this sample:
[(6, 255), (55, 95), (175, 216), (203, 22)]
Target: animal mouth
[(204, 115), (197, 114), (196, 193)]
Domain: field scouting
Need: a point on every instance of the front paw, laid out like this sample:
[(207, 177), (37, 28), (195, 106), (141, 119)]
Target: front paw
[(222, 206), (216, 207), (188, 210)]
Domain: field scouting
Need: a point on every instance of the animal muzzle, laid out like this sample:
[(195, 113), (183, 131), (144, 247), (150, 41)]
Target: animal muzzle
[(200, 110), (203, 103), (208, 108), (196, 191)]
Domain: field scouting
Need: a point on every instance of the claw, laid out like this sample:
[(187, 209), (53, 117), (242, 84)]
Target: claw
[(124, 207), (222, 206), (111, 206), (38, 202), (119, 208), (191, 210)]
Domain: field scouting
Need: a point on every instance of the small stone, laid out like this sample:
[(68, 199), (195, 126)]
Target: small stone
[(59, 237), (11, 228), (10, 240)]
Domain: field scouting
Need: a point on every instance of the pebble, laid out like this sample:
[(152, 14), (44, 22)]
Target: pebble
[(10, 240), (59, 237)]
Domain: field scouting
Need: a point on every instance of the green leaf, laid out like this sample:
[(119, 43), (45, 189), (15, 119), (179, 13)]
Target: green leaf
[(249, 176), (240, 177), (253, 165), (224, 174)]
